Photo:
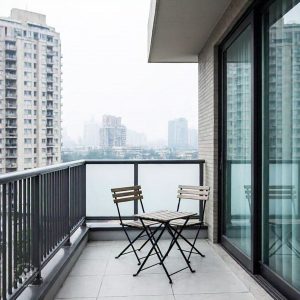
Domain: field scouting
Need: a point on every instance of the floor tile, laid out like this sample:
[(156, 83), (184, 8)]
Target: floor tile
[(80, 287), (222, 296), (89, 267), (165, 297), (214, 282), (127, 285)]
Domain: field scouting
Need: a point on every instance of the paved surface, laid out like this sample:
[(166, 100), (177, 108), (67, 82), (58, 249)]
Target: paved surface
[(98, 275)]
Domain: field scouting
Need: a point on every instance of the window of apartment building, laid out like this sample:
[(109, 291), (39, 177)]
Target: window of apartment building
[(27, 55), (27, 74), (27, 83), (27, 102), (27, 121), (27, 141), (27, 64), (27, 131), (27, 151), (27, 160), (27, 111), (27, 45), (27, 93)]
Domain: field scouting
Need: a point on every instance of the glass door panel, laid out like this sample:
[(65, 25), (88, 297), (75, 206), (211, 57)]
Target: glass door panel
[(237, 158), (281, 140)]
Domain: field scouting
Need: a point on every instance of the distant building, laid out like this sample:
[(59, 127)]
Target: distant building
[(91, 134), (30, 92), (135, 139), (193, 138), (178, 134), (112, 132)]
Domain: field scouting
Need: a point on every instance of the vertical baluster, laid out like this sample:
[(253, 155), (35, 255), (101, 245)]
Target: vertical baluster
[(15, 259), (24, 225), (4, 259), (28, 232), (9, 238), (36, 213), (67, 208), (84, 193), (20, 230)]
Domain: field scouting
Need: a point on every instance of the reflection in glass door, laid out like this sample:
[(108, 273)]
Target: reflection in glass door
[(237, 62), (281, 141)]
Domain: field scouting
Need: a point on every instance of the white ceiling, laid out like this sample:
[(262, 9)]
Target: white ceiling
[(178, 29)]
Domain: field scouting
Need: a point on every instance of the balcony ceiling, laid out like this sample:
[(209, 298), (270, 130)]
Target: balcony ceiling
[(178, 30)]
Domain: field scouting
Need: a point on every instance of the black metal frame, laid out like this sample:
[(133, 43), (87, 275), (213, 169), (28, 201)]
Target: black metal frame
[(175, 234), (140, 235), (253, 264), (201, 222)]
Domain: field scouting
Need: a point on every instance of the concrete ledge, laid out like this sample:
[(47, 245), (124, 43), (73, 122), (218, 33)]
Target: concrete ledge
[(58, 268)]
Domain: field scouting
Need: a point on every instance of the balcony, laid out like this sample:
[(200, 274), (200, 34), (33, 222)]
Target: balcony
[(67, 209), (11, 86), (11, 95), (12, 47), (11, 76), (10, 57)]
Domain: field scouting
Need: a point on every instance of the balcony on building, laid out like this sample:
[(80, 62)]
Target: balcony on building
[(59, 224)]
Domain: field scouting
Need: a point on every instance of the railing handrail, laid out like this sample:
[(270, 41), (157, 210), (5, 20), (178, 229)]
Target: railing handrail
[(145, 161), (43, 170), (38, 171)]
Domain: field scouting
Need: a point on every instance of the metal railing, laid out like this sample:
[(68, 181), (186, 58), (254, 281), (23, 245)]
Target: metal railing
[(40, 209)]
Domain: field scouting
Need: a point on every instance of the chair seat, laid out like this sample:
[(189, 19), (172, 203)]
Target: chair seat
[(138, 223), (180, 222)]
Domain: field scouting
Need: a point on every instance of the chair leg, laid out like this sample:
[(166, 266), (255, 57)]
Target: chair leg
[(193, 247), (131, 245)]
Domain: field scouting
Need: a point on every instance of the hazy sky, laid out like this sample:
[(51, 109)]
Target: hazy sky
[(105, 69)]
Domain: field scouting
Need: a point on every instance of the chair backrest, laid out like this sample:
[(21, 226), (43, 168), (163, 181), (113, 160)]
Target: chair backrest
[(188, 192), (276, 192), (126, 194)]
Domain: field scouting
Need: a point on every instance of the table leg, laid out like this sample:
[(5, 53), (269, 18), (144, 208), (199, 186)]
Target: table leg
[(175, 237), (154, 244)]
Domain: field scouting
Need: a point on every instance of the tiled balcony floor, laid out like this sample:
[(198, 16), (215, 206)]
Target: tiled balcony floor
[(98, 275)]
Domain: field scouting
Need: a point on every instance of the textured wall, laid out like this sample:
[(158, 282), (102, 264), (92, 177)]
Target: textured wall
[(208, 107)]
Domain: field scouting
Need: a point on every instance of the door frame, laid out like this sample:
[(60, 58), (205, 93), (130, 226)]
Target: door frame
[(250, 263)]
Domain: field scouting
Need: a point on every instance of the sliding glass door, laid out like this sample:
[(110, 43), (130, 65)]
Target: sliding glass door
[(237, 128), (260, 143), (281, 140)]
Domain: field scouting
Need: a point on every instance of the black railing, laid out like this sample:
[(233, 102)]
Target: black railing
[(39, 211)]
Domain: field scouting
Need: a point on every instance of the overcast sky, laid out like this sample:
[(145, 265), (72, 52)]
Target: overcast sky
[(105, 69)]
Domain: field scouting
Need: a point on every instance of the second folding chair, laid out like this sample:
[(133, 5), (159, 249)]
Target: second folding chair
[(126, 194), (194, 193)]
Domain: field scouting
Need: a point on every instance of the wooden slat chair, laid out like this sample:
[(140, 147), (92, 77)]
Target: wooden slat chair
[(195, 193), (126, 194), (278, 225)]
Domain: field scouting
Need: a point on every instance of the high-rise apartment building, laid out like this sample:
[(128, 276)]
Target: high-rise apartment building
[(193, 138), (112, 132), (284, 63), (178, 133), (91, 134), (30, 92)]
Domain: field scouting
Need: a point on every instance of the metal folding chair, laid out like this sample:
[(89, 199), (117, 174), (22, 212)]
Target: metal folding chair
[(198, 193), (126, 194)]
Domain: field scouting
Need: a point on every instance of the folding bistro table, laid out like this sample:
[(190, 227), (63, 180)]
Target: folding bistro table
[(164, 217)]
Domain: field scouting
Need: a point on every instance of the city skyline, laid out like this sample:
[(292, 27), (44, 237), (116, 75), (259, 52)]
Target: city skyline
[(134, 137), (108, 71)]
